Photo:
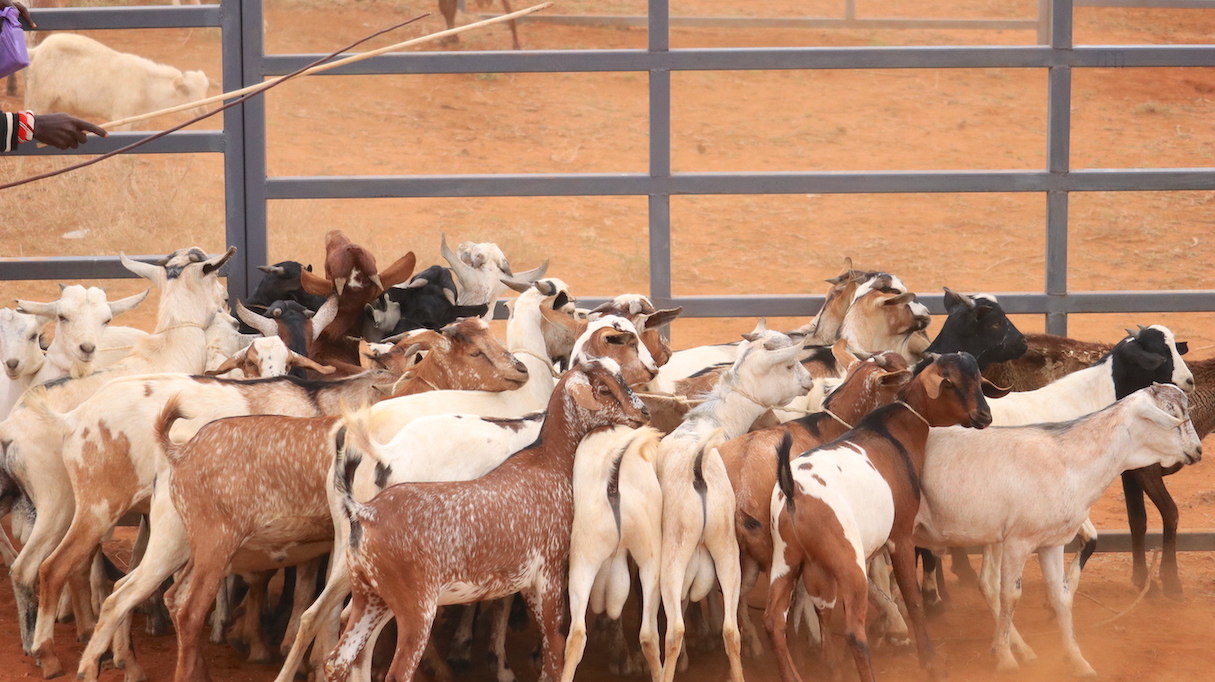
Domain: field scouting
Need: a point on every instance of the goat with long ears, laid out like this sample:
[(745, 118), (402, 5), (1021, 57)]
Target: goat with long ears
[(483, 272), (418, 545), (846, 500)]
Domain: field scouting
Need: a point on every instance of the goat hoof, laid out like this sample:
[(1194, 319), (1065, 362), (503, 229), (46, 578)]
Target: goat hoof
[(1173, 590)]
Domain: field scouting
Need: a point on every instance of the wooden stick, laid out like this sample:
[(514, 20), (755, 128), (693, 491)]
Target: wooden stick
[(332, 65)]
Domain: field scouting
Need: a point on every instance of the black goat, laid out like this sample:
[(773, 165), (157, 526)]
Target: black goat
[(428, 301)]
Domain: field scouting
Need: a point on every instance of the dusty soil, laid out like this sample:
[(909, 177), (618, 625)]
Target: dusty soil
[(723, 121)]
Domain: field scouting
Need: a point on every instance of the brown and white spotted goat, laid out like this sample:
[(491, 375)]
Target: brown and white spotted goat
[(846, 500), (417, 546)]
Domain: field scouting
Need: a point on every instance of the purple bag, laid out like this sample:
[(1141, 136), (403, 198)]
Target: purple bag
[(13, 55)]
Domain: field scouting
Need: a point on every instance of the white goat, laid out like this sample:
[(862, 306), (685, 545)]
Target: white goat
[(190, 297), (78, 75), (82, 317), (480, 270), (698, 537), (20, 353), (615, 516), (267, 356), (976, 485)]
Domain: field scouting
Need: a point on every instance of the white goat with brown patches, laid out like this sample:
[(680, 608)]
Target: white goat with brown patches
[(449, 447), (879, 320), (506, 532), (266, 357), (649, 320), (82, 317), (191, 294), (698, 541)]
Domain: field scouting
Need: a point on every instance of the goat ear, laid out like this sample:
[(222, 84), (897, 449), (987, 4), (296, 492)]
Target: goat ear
[(844, 358), (367, 357), (122, 305), (229, 364), (990, 390), (899, 377), (582, 395), (907, 297), (399, 271), (932, 382), (315, 284), (297, 360), (1183, 347), (210, 266), (953, 299), (982, 311), (760, 326), (1144, 359), (660, 317)]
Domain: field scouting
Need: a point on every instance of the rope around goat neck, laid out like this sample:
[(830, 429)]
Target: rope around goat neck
[(547, 362), (912, 410)]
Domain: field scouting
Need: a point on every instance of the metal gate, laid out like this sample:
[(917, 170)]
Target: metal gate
[(248, 189)]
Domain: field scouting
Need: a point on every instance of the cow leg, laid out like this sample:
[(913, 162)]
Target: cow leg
[(1151, 481)]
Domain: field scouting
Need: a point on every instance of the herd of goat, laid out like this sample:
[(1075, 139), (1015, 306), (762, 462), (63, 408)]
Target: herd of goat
[(371, 433)]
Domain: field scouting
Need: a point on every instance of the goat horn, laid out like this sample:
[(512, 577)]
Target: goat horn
[(339, 284), (1142, 328), (416, 283), (533, 274), (1133, 333), (463, 270), (375, 279), (214, 264), (144, 270), (450, 296), (324, 316), (264, 325), (272, 270), (517, 286)]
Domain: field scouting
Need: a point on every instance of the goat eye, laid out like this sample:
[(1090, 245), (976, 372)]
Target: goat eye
[(604, 390), (477, 354), (34, 336), (62, 318)]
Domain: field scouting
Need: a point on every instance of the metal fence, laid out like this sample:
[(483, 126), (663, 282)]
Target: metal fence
[(242, 142)]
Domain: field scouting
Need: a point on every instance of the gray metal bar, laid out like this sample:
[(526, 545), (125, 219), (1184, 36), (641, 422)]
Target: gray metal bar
[(746, 59), (98, 18), (69, 267), (184, 142), (1056, 258), (256, 246), (1043, 22), (813, 182), (1061, 24), (239, 283), (849, 10), (1112, 541), (659, 40)]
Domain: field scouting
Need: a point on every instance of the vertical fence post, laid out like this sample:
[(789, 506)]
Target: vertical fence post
[(1044, 17), (660, 155), (1058, 156), (234, 150), (254, 113)]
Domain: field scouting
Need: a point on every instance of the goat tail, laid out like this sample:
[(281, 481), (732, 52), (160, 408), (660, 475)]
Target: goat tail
[(169, 414), (348, 454), (37, 400), (784, 470)]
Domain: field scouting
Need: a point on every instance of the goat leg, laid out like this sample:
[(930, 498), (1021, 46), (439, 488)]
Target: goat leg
[(1151, 481), (1136, 515)]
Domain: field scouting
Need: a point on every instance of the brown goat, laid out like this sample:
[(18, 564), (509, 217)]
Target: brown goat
[(250, 493), (458, 356), (825, 534), (418, 545), (350, 273), (1047, 359)]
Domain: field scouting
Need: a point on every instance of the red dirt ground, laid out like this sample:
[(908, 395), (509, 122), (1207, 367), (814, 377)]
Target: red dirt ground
[(826, 120)]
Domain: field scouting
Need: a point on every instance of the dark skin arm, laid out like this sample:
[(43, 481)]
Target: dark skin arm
[(57, 130), (22, 11), (63, 131)]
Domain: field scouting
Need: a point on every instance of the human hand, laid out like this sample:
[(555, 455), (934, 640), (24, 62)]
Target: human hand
[(61, 130), (22, 10)]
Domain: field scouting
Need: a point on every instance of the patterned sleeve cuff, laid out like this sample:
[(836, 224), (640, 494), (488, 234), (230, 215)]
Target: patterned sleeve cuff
[(9, 126)]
